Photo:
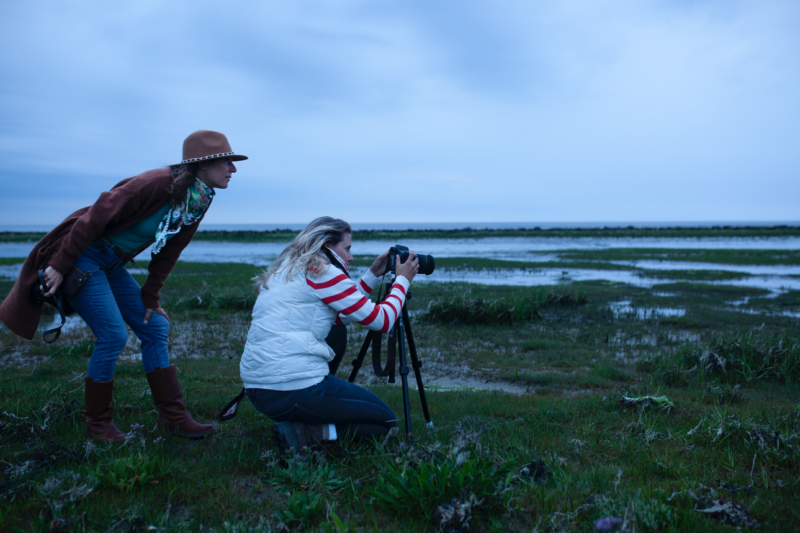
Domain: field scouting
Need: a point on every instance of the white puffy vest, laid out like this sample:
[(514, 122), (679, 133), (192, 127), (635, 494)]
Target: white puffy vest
[(286, 346)]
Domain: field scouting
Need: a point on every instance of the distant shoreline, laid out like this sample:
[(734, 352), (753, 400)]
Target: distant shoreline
[(287, 234)]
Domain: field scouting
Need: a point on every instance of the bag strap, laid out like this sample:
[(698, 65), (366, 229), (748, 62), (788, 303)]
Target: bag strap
[(58, 297), (231, 410), (377, 340), (334, 261), (56, 331)]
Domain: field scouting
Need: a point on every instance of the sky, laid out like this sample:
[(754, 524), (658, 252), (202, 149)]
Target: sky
[(411, 111)]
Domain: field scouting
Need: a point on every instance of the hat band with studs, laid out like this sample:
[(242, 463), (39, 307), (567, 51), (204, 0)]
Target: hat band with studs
[(192, 160)]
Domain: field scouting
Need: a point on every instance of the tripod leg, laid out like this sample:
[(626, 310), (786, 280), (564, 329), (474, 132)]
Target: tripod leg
[(416, 365), (404, 374), (360, 359)]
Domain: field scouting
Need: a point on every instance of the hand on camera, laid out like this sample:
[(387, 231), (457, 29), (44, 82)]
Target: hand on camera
[(408, 269), (379, 265), (53, 278)]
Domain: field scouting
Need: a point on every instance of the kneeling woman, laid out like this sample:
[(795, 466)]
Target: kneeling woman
[(284, 366)]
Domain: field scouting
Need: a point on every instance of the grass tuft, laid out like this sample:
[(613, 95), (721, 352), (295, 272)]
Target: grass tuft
[(747, 358), (464, 309)]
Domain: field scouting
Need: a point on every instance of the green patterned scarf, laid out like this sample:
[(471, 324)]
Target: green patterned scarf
[(198, 197)]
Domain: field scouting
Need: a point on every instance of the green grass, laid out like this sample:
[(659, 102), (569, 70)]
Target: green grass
[(732, 430), (693, 275), (728, 257), (465, 309), (206, 289), (789, 300), (20, 236), (11, 260)]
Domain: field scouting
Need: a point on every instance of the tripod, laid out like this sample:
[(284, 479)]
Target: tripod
[(397, 337)]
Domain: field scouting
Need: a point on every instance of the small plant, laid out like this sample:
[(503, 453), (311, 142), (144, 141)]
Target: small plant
[(464, 309), (660, 402), (261, 527), (128, 472), (336, 525), (306, 473), (301, 508), (646, 513), (209, 298), (747, 358), (82, 348), (410, 489), (66, 488)]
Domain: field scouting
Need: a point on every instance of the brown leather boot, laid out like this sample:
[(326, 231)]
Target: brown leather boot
[(168, 398), (97, 395)]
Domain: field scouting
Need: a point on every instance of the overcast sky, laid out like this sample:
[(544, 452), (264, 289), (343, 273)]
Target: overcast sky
[(411, 111)]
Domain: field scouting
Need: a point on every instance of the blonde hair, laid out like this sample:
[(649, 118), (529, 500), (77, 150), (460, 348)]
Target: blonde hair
[(305, 251)]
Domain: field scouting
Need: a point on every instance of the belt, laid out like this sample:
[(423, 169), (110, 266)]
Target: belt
[(117, 250)]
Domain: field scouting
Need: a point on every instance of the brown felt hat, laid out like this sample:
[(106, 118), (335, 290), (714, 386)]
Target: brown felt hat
[(203, 145)]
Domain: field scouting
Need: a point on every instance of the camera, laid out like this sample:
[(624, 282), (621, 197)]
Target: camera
[(426, 262)]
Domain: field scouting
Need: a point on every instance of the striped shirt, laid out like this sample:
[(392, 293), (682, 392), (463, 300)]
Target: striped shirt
[(352, 301)]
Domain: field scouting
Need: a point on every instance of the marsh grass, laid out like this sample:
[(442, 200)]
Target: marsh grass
[(693, 275), (732, 435), (740, 359), (463, 308), (719, 256)]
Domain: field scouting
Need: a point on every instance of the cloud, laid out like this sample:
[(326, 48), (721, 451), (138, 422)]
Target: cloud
[(456, 110)]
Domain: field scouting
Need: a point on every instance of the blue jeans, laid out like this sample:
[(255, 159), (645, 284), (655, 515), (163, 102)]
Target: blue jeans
[(110, 299), (355, 411)]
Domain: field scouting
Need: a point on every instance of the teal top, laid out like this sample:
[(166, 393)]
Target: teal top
[(140, 233)]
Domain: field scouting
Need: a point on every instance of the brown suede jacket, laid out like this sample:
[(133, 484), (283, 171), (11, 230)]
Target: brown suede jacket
[(128, 202)]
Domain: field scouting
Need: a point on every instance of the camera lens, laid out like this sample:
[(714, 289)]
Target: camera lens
[(401, 253), (426, 264)]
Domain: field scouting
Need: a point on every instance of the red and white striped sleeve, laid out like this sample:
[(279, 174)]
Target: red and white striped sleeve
[(365, 286), (367, 282), (340, 292)]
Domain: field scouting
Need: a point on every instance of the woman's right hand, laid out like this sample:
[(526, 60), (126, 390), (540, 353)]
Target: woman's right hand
[(53, 278), (408, 269)]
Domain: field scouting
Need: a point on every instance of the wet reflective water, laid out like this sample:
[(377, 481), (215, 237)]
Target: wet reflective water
[(775, 278), (509, 248), (767, 270)]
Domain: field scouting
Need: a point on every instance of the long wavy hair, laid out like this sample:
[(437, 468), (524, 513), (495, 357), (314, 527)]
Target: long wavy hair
[(183, 177), (305, 254)]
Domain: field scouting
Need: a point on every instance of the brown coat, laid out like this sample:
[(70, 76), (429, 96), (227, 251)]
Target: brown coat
[(128, 202)]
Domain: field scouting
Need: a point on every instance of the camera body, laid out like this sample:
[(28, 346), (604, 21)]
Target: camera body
[(426, 262)]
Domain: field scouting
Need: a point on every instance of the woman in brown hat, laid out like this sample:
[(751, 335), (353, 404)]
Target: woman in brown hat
[(160, 207)]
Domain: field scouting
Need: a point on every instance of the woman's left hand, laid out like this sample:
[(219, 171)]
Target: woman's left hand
[(379, 265), (158, 310)]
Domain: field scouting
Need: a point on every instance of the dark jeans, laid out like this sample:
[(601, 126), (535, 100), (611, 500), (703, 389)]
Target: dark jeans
[(110, 299), (355, 411)]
